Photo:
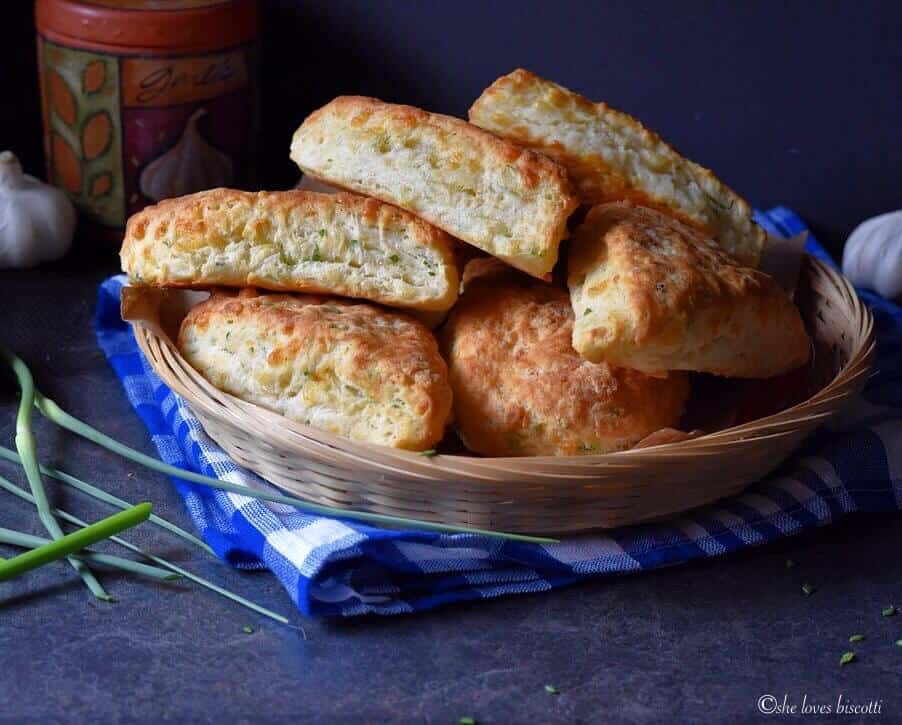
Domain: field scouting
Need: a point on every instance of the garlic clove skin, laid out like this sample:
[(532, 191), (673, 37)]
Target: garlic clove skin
[(37, 221), (872, 257), (191, 165)]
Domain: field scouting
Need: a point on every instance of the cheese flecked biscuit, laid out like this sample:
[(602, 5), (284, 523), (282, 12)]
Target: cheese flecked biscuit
[(520, 389), (651, 293), (612, 157), (496, 195), (297, 241), (348, 368)]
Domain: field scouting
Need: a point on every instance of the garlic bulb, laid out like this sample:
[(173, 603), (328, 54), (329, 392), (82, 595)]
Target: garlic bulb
[(872, 257), (191, 165), (37, 221)]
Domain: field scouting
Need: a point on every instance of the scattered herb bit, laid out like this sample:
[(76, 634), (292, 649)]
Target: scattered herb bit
[(429, 453), (856, 638), (394, 259), (790, 564), (807, 589), (846, 658), (889, 611), (588, 311), (285, 257), (551, 690), (720, 205), (467, 720), (247, 629), (322, 233), (316, 255)]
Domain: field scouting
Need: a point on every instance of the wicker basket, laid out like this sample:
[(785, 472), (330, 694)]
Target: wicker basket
[(541, 494)]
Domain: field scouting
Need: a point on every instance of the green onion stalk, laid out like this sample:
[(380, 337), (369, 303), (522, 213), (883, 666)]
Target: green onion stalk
[(10, 487), (25, 444), (27, 541), (109, 498), (72, 543)]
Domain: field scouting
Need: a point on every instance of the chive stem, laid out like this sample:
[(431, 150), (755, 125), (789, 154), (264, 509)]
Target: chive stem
[(76, 541), (25, 444), (109, 498), (53, 412), (18, 538), (21, 493)]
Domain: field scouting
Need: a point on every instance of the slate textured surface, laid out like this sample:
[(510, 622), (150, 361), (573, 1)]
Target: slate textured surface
[(695, 643)]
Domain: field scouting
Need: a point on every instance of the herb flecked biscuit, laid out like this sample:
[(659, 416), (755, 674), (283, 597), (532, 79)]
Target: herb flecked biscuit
[(496, 195), (349, 368), (520, 389), (652, 293), (297, 241), (612, 157)]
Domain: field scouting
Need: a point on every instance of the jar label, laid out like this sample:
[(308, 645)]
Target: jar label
[(169, 81)]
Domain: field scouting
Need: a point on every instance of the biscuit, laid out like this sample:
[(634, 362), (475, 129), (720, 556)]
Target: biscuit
[(612, 157), (506, 200), (298, 241), (520, 389), (652, 293), (348, 368)]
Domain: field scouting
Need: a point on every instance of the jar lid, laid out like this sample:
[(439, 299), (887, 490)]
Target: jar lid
[(166, 25)]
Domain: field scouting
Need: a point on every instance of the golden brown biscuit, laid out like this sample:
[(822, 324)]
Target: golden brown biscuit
[(349, 368), (652, 293), (613, 157), (520, 389), (506, 200), (299, 241)]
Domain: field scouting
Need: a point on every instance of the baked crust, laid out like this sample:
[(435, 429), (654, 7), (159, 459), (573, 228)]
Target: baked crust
[(349, 368), (520, 389), (299, 241), (611, 156), (652, 293), (496, 195)]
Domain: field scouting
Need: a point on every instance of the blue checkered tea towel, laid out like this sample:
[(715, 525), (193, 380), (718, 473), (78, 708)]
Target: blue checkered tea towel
[(339, 567)]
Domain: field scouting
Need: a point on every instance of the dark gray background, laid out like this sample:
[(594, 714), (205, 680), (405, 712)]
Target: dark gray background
[(794, 103)]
